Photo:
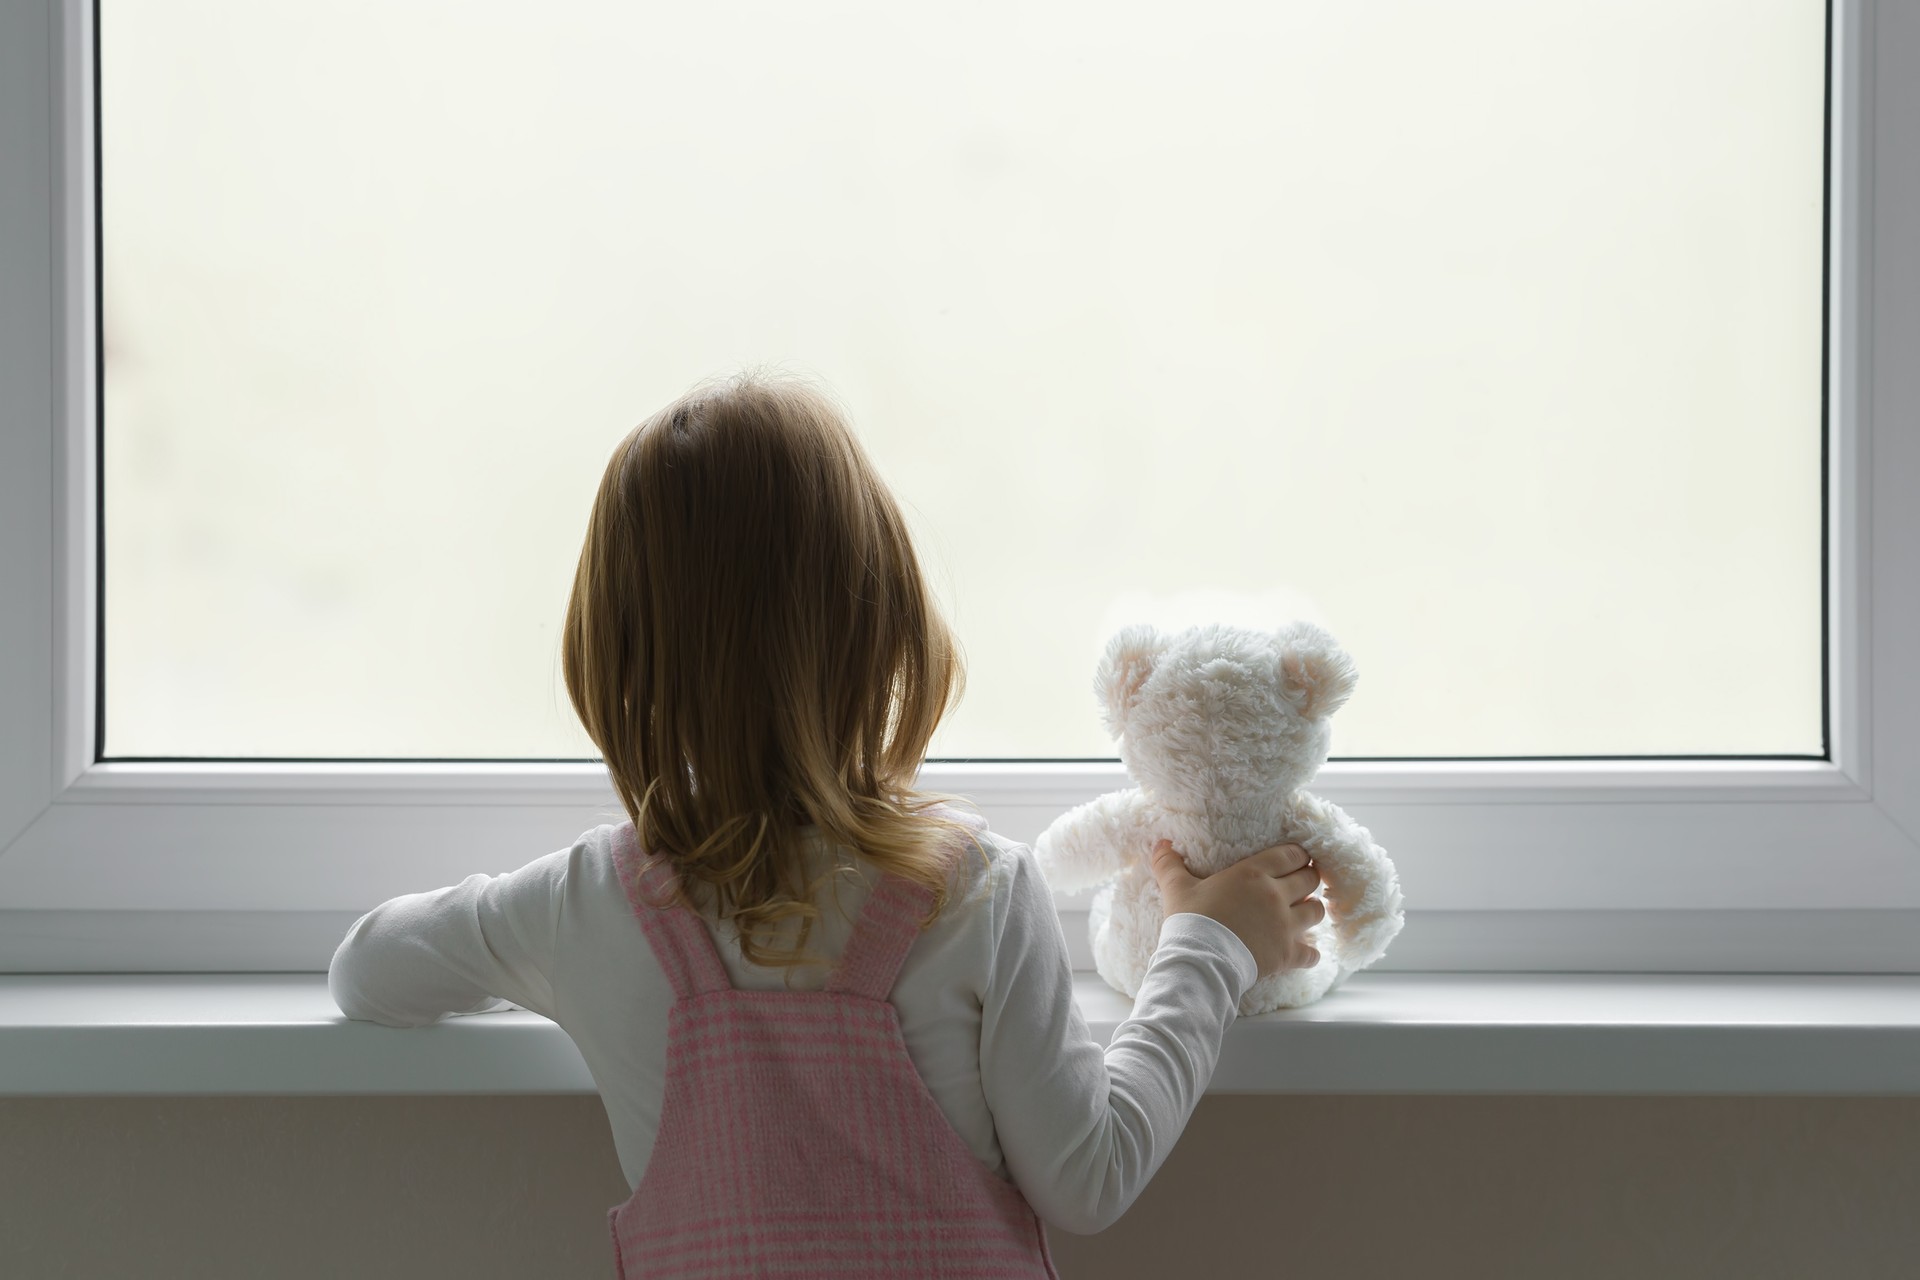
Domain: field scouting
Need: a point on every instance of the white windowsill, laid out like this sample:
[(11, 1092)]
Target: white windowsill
[(1383, 1033)]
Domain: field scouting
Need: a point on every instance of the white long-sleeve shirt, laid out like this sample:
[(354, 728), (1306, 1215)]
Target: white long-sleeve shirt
[(985, 1000)]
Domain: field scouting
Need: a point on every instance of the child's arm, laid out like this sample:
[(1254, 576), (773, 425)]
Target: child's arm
[(1083, 1129), (467, 948)]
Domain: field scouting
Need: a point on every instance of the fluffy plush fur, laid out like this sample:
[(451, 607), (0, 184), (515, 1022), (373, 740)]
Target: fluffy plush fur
[(1222, 728)]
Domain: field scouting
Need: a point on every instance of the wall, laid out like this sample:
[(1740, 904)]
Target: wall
[(478, 1187)]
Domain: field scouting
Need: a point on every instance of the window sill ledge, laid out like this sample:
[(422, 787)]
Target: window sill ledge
[(79, 1034)]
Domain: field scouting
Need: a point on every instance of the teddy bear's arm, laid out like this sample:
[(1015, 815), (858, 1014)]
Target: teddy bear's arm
[(1362, 886), (1090, 844)]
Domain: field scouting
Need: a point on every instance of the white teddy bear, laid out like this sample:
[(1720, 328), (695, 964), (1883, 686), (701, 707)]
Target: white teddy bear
[(1222, 727)]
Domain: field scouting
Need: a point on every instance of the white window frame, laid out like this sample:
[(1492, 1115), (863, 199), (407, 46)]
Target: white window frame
[(1785, 866)]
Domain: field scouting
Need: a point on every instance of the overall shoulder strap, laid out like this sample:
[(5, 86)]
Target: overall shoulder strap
[(679, 940), (881, 938), (887, 927)]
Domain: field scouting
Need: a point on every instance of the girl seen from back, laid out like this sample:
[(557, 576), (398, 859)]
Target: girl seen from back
[(831, 1016)]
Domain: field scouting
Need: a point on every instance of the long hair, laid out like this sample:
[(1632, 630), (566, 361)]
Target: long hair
[(751, 645)]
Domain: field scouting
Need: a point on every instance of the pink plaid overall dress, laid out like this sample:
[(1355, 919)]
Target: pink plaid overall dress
[(796, 1138)]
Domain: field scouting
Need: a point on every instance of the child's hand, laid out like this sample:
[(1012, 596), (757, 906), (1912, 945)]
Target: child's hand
[(1263, 899)]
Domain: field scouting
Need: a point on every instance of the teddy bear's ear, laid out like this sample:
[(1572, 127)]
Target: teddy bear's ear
[(1125, 667), (1315, 673)]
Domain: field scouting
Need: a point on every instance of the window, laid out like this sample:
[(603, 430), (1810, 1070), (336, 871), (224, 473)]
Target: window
[(1488, 333), (1644, 860)]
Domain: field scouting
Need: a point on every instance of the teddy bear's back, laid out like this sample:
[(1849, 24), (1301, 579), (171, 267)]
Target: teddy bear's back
[(1224, 833)]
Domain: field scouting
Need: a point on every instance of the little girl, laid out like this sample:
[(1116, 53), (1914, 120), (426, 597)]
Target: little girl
[(830, 1016)]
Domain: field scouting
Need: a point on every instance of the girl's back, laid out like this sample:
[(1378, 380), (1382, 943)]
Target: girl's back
[(796, 1133)]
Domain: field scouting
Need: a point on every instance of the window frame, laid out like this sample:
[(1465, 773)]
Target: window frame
[(1683, 865)]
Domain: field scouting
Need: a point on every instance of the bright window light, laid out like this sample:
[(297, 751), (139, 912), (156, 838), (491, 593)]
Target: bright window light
[(1489, 335)]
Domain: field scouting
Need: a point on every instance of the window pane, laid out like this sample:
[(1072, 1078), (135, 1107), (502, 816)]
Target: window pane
[(1487, 334)]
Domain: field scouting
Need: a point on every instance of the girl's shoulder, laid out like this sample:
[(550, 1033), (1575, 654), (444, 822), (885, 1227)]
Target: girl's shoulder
[(996, 880), (981, 861), (995, 892)]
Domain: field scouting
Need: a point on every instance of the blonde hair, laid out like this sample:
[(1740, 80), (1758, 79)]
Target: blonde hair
[(751, 645)]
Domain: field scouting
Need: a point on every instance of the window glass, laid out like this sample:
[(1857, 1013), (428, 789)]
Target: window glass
[(1486, 334)]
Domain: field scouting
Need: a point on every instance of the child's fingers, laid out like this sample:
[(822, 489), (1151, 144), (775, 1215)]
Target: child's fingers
[(1299, 885), (1281, 859), (1169, 868)]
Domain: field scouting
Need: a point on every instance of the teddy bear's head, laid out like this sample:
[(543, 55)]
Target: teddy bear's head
[(1217, 712)]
